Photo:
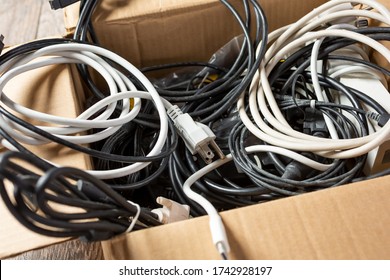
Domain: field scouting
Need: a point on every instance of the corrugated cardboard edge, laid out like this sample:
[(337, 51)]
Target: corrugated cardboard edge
[(347, 222)]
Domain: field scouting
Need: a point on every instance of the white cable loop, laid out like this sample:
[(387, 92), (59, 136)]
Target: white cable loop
[(134, 219), (98, 116), (263, 106)]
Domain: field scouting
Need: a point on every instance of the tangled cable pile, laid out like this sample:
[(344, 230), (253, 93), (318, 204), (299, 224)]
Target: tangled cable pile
[(283, 116)]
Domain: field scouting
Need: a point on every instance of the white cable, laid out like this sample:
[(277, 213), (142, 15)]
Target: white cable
[(321, 96), (269, 123), (134, 219), (120, 89), (217, 228), (313, 15), (340, 15), (284, 135)]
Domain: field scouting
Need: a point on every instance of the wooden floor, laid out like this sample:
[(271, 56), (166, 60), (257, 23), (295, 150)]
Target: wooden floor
[(22, 21)]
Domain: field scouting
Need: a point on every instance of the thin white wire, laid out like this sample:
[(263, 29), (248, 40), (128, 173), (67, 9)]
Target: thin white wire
[(216, 225), (78, 123), (135, 218), (89, 59)]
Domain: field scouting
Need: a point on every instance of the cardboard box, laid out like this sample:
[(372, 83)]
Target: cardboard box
[(347, 222), (53, 90), (176, 30)]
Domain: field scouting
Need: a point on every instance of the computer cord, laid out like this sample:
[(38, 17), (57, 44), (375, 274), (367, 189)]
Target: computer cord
[(66, 202), (122, 89), (261, 98)]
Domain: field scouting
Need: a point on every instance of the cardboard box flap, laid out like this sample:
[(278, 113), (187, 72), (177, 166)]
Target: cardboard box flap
[(52, 90), (348, 222), (278, 12), (136, 10), (166, 31), (124, 12)]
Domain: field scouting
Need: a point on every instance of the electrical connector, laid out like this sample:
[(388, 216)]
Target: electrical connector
[(199, 138), (383, 119), (1, 43), (218, 234), (361, 22), (59, 4), (314, 123), (296, 171), (171, 211)]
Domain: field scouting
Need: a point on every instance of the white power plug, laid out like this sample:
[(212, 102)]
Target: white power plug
[(199, 138)]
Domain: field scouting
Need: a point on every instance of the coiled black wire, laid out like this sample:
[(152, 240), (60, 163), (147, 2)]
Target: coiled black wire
[(289, 79), (211, 104), (37, 200)]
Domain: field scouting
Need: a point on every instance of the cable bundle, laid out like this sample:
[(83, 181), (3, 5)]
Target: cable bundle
[(100, 117), (213, 103), (262, 98), (298, 133), (280, 111), (211, 98), (294, 100), (66, 202)]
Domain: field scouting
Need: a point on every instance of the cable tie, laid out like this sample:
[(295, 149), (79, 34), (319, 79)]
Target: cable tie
[(313, 104), (135, 218)]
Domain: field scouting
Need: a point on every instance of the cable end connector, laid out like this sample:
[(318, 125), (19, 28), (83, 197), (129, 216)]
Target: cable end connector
[(208, 147), (218, 234), (361, 22), (171, 211), (60, 4), (1, 43), (383, 119), (199, 138)]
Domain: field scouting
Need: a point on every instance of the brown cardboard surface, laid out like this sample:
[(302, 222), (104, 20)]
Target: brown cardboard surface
[(50, 89), (165, 31), (348, 222)]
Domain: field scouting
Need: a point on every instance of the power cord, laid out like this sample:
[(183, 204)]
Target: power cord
[(93, 210), (21, 59)]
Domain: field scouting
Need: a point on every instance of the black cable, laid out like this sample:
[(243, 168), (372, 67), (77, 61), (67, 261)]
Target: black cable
[(208, 104), (226, 89), (88, 151), (104, 212), (183, 64)]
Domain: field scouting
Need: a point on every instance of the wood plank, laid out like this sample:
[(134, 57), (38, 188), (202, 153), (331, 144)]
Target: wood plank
[(19, 20), (70, 250), (22, 21), (51, 22)]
